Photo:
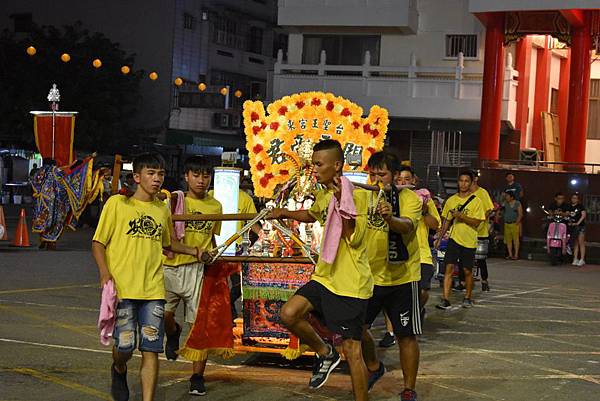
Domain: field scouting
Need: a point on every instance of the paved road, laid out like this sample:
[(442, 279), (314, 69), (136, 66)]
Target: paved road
[(536, 336)]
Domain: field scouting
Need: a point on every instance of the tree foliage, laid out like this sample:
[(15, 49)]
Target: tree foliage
[(105, 98)]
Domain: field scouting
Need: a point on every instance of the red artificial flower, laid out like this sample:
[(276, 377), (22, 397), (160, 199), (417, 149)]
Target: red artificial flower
[(370, 149), (355, 124), (366, 128), (260, 166), (330, 105), (300, 104), (257, 148), (345, 112), (284, 172), (274, 125), (254, 116), (282, 110), (375, 133), (256, 130), (315, 102), (264, 181), (263, 125)]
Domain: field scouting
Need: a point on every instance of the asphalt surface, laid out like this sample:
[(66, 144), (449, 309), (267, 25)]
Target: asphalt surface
[(535, 336)]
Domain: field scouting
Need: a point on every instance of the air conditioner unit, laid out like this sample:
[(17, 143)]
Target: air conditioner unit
[(221, 120), (236, 121)]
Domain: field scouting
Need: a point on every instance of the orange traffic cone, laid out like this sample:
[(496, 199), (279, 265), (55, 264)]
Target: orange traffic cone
[(22, 233), (3, 230)]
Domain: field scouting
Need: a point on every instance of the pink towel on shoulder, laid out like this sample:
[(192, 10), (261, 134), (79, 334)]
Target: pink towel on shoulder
[(108, 317), (344, 209), (178, 226)]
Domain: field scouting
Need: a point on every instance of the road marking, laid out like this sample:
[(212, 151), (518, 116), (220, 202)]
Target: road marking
[(49, 322), (515, 293), (47, 289), (516, 334), (8, 301), (109, 351), (62, 382), (467, 392)]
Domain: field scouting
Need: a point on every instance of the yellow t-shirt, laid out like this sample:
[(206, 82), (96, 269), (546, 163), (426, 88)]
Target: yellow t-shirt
[(198, 233), (486, 202), (134, 234), (349, 275), (462, 233), (390, 274), (423, 233), (245, 205)]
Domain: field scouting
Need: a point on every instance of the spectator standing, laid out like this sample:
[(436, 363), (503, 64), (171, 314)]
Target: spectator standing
[(512, 213), (577, 225), (514, 186)]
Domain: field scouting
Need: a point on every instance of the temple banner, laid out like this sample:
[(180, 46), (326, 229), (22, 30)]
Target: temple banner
[(55, 141), (274, 140)]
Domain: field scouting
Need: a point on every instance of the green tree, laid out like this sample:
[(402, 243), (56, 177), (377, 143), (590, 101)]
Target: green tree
[(105, 98)]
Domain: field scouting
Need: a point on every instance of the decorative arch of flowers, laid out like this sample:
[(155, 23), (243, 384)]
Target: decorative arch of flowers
[(273, 139)]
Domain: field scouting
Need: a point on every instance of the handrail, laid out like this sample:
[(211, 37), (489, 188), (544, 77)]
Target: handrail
[(539, 164)]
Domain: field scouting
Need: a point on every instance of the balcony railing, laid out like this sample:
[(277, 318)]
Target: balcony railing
[(406, 91)]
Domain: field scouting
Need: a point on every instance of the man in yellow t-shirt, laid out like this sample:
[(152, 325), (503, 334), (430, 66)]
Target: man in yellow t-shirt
[(127, 248), (483, 233), (430, 221), (395, 263), (183, 274), (465, 212), (338, 292)]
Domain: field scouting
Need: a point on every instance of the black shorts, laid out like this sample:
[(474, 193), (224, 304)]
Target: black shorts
[(426, 276), (401, 303), (456, 254), (342, 315)]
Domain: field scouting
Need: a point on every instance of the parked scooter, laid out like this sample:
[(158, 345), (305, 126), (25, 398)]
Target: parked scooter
[(557, 236)]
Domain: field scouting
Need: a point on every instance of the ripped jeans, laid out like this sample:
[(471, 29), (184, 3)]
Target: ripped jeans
[(140, 322)]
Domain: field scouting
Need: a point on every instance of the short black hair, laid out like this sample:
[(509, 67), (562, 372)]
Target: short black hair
[(407, 168), (197, 164), (558, 194), (383, 159), (468, 173), (148, 160), (511, 192), (330, 144), (510, 173)]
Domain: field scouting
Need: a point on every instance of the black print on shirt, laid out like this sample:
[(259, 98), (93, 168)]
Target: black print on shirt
[(146, 227)]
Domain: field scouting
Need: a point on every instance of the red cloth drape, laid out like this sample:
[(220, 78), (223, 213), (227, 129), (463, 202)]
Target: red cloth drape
[(64, 133)]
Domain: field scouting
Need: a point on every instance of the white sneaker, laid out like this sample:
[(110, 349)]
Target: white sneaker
[(581, 262), (575, 262)]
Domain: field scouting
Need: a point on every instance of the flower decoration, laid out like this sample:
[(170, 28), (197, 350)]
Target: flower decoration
[(274, 137)]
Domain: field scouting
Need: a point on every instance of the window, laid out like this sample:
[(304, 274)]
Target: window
[(340, 49), (188, 21), (255, 40), (22, 22), (467, 44), (280, 41), (593, 131), (227, 32)]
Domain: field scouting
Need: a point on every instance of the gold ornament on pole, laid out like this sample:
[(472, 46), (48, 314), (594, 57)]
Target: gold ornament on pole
[(31, 50), (125, 69), (223, 91), (153, 76), (178, 81), (65, 57), (97, 63), (202, 87), (238, 93)]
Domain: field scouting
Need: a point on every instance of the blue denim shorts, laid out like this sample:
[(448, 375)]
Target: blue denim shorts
[(140, 322)]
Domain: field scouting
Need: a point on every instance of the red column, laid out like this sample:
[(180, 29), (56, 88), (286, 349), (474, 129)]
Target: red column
[(493, 82), (563, 101), (579, 93), (542, 92), (523, 66)]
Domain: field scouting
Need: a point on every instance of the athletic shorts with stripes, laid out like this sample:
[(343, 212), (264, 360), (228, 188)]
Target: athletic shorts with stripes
[(401, 303)]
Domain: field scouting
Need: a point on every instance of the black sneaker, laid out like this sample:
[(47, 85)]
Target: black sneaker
[(197, 385), (459, 288), (444, 304), (485, 286), (118, 385), (408, 395), (387, 341), (322, 367), (375, 376), (467, 303), (172, 344)]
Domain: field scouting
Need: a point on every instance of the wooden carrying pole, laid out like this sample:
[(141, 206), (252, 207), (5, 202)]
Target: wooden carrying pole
[(116, 174), (214, 217)]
